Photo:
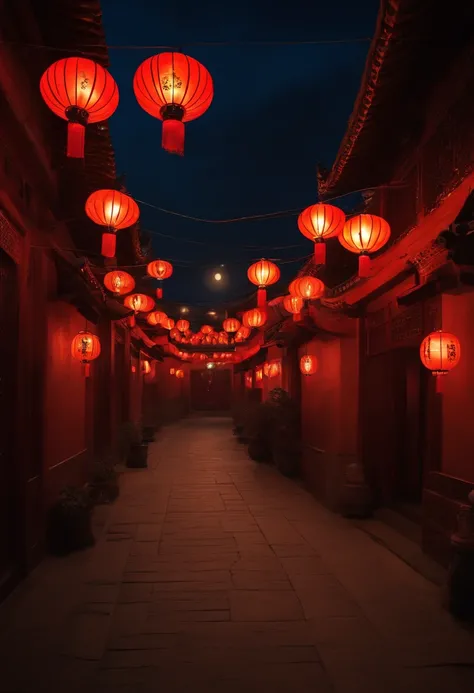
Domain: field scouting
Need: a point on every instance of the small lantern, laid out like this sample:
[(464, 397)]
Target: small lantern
[(263, 273), (114, 210), (308, 364), (85, 348), (146, 367), (440, 352), (308, 288), (364, 234), (254, 318), (294, 305), (182, 325), (319, 222), (168, 323), (159, 269), (156, 317), (139, 303), (119, 283), (172, 371), (231, 325), (179, 374)]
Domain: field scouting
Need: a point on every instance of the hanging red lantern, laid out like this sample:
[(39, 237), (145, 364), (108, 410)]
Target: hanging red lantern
[(172, 371), (176, 89), (243, 333), (259, 374), (364, 234), (319, 222), (115, 210), (207, 329), (80, 91), (294, 305), (179, 374), (146, 367), (196, 339), (159, 269), (85, 348), (308, 364), (168, 323), (139, 303), (307, 288), (263, 273), (231, 325), (266, 369), (182, 325), (440, 352), (223, 337), (175, 334), (156, 317), (119, 283), (254, 318), (274, 369)]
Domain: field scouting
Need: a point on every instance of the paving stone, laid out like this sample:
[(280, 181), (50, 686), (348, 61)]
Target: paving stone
[(270, 605)]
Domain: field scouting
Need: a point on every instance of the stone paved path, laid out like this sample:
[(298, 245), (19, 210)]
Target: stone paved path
[(214, 574)]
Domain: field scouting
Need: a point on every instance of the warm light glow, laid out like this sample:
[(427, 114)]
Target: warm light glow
[(80, 91), (119, 283), (184, 310), (140, 303), (156, 317), (274, 369), (172, 371), (308, 364), (212, 313), (231, 325), (210, 365), (146, 367), (176, 89), (112, 208), (207, 329), (263, 273), (243, 333), (307, 288), (293, 304), (182, 325), (440, 352), (168, 323), (254, 318), (364, 234), (319, 222), (159, 269), (85, 347), (179, 374), (259, 374), (218, 276)]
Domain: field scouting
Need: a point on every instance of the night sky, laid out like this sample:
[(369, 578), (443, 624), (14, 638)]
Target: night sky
[(277, 111)]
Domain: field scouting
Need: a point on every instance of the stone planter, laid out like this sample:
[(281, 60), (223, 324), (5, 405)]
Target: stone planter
[(69, 527)]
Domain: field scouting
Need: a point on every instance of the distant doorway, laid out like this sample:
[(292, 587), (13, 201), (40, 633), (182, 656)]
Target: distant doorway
[(9, 502), (211, 390)]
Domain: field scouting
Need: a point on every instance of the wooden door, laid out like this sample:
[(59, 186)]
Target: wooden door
[(211, 390)]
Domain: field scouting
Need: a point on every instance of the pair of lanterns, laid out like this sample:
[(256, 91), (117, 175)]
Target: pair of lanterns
[(362, 234), (172, 87)]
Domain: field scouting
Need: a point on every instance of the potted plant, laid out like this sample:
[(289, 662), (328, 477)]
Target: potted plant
[(69, 522), (134, 450), (285, 433), (104, 487)]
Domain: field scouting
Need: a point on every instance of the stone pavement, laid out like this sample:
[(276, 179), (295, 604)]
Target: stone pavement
[(214, 574)]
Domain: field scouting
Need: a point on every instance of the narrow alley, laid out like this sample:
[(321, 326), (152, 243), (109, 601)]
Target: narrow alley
[(212, 573)]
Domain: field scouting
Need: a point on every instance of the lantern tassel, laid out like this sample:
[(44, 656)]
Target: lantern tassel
[(109, 243), (262, 298), (172, 139), (364, 266), (439, 384), (87, 369), (76, 134), (131, 321), (320, 253), (296, 317), (159, 292)]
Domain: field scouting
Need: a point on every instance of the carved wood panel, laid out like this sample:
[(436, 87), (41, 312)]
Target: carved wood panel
[(10, 240)]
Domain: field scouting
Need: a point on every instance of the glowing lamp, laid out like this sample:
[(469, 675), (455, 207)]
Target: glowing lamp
[(440, 352), (139, 303), (119, 283), (146, 367), (263, 273), (319, 222), (308, 288), (156, 317), (168, 323), (176, 89), (182, 325), (364, 234), (207, 329), (113, 209), (243, 333), (159, 269), (231, 325), (179, 374), (172, 371), (294, 305), (308, 364), (254, 318), (81, 92), (85, 348)]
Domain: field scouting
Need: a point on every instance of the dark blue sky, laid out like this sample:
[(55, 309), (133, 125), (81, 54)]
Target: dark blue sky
[(277, 111)]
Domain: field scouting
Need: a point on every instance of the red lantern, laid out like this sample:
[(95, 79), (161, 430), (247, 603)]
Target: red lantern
[(274, 369), (256, 317), (175, 334), (364, 234), (139, 303), (319, 222), (176, 89), (146, 367), (159, 269), (207, 329), (223, 338), (172, 371), (168, 323), (307, 288), (113, 209), (308, 364), (119, 283), (294, 305), (440, 352), (182, 325), (263, 273), (259, 374), (196, 339), (80, 91), (231, 325), (85, 347), (266, 369), (243, 333), (179, 374), (156, 317)]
